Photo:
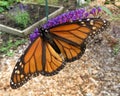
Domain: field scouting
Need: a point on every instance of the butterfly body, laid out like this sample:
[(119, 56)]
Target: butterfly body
[(55, 46), (45, 35)]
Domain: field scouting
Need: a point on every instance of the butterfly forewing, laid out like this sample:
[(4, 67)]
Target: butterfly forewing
[(78, 31), (29, 64)]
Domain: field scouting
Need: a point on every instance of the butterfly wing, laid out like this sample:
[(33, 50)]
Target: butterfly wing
[(52, 61), (39, 57), (70, 52), (30, 63), (71, 37)]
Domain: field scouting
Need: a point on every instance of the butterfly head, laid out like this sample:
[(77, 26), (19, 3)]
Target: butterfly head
[(38, 32), (42, 30)]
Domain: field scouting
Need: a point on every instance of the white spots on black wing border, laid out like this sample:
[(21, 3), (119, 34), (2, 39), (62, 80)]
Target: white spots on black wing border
[(15, 68), (24, 78), (102, 27), (36, 74), (17, 71), (22, 82), (11, 82), (19, 60), (91, 22), (45, 73), (88, 19), (94, 31), (46, 30), (16, 85), (19, 84), (94, 28), (21, 76), (82, 22), (104, 21)]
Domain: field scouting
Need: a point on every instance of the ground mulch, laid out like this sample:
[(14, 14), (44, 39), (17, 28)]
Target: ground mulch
[(96, 73)]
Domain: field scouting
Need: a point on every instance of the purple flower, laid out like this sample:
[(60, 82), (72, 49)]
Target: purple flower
[(34, 35), (93, 11), (99, 10), (22, 7), (86, 15), (64, 18)]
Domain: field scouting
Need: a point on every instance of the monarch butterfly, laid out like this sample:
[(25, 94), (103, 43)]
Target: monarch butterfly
[(55, 44)]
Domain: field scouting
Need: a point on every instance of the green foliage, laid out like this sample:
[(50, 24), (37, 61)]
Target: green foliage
[(109, 1), (42, 1), (65, 0), (1, 9), (117, 17), (4, 4), (106, 10), (6, 47), (116, 49), (22, 19)]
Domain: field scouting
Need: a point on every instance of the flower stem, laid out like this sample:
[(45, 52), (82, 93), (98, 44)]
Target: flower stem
[(46, 7)]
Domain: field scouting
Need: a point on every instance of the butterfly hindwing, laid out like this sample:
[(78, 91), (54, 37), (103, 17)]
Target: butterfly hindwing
[(53, 61), (40, 57), (70, 52)]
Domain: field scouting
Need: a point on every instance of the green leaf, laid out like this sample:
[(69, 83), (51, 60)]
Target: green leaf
[(10, 53), (1, 9), (4, 3), (116, 49), (88, 1), (106, 10), (3, 49)]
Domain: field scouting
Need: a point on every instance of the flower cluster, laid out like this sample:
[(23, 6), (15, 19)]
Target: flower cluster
[(95, 11), (34, 35), (71, 16), (22, 7), (67, 17)]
